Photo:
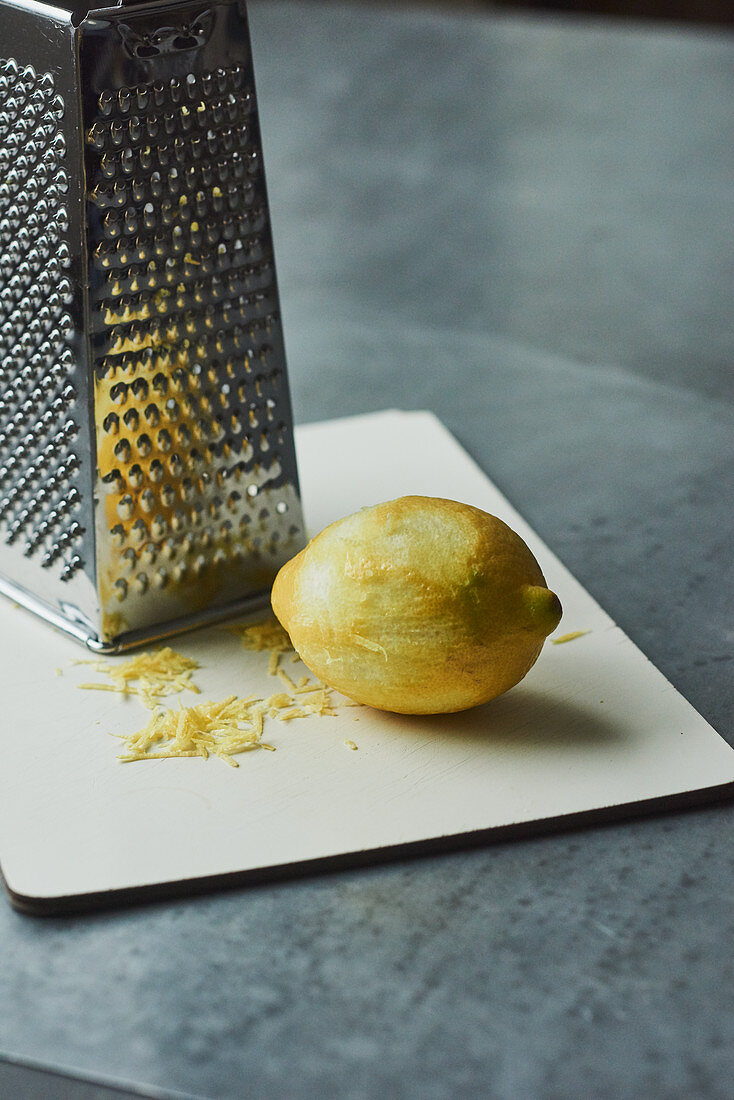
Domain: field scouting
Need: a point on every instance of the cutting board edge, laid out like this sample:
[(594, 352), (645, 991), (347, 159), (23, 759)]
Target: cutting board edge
[(74, 904)]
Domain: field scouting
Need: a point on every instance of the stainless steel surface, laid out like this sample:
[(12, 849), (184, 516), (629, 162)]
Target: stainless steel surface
[(147, 471)]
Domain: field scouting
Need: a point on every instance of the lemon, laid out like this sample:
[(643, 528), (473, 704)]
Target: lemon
[(420, 605)]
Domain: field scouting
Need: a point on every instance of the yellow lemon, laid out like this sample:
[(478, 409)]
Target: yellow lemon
[(420, 605)]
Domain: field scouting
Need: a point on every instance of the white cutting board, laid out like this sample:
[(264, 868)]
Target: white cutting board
[(593, 728)]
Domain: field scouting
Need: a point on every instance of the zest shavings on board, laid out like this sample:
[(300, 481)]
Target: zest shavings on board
[(224, 729), (158, 674), (570, 637), (268, 635)]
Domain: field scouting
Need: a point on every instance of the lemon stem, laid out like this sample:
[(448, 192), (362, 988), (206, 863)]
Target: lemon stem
[(544, 607)]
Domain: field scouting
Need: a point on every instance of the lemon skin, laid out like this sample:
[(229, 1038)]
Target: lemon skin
[(420, 605)]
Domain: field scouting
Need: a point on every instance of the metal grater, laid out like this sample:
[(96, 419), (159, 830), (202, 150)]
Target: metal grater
[(148, 477)]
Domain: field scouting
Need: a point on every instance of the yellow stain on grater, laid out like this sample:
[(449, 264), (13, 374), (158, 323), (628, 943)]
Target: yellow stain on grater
[(199, 505), (194, 511), (155, 449)]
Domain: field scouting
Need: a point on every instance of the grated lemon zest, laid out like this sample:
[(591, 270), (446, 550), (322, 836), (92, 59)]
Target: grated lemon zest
[(285, 679), (289, 715), (281, 699), (570, 637), (108, 687), (224, 728), (156, 675), (264, 635), (213, 728), (309, 686)]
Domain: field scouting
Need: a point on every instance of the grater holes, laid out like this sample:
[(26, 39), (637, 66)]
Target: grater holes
[(159, 527), (144, 445), (175, 465), (126, 506), (140, 583), (122, 451), (186, 280), (71, 567), (113, 481), (164, 440), (136, 476), (160, 383)]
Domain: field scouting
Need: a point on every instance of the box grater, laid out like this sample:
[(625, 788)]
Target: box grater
[(148, 478)]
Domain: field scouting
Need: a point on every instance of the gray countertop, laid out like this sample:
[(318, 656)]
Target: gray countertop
[(522, 224)]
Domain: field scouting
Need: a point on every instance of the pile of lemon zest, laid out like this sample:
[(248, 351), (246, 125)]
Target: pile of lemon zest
[(222, 729), (226, 728), (263, 635), (163, 672)]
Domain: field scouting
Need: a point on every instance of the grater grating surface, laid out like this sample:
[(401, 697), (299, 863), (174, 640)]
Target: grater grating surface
[(145, 425), (39, 463)]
